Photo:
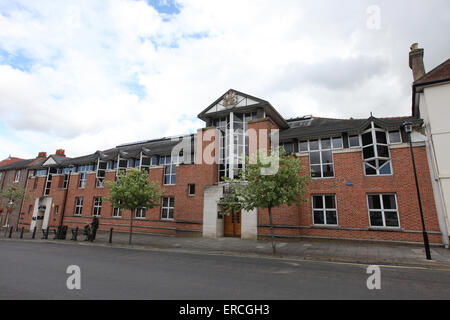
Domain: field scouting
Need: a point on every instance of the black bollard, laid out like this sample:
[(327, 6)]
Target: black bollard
[(21, 233), (110, 235), (10, 232), (34, 233)]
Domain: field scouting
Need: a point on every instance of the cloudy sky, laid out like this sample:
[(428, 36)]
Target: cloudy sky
[(85, 75)]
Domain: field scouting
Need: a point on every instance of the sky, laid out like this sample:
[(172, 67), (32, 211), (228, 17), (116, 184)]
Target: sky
[(88, 75)]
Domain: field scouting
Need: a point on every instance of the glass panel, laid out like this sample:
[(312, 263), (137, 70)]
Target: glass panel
[(315, 171), (165, 202), (330, 202), (368, 152), (326, 143), (327, 157), (376, 219), (353, 141), (337, 143), (386, 169), (331, 217), (395, 137), (314, 157), (374, 202), (381, 137), (318, 217), (367, 138), (391, 219), (317, 202), (172, 202), (170, 213), (383, 151), (389, 201), (328, 170), (314, 145), (303, 145)]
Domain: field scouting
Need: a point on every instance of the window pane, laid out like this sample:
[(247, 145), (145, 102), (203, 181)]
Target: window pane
[(383, 151), (330, 202), (172, 202), (317, 202), (315, 171), (369, 170), (391, 219), (318, 217), (368, 152), (328, 170), (327, 157), (386, 169), (337, 143), (395, 137), (314, 145), (374, 202), (331, 217), (381, 137), (303, 145), (314, 157), (366, 138), (354, 141), (376, 219), (326, 143), (389, 201), (170, 213), (165, 202)]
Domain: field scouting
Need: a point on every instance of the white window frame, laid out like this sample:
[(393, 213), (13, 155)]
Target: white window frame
[(167, 209), (359, 140), (117, 212), (389, 136), (374, 144), (383, 210), (171, 166), (141, 213), (17, 176), (97, 208), (79, 206), (324, 210), (321, 162)]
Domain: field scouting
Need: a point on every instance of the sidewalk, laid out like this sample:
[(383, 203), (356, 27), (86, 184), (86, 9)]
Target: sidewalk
[(321, 250)]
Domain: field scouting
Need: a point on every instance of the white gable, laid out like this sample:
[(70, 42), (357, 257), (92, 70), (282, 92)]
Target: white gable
[(232, 100), (50, 161)]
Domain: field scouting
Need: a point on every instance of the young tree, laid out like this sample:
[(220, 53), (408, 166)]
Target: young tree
[(11, 197), (132, 191), (258, 187)]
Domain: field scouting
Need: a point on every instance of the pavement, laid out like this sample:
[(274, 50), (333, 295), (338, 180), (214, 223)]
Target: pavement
[(46, 270), (319, 250)]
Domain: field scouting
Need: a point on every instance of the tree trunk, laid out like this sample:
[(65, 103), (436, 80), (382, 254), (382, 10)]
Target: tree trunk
[(131, 227), (272, 236)]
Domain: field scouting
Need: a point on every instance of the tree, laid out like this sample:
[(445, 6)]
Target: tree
[(258, 187), (13, 194), (132, 191), (231, 204)]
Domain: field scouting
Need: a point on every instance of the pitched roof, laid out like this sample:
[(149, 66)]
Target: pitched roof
[(9, 160), (440, 73)]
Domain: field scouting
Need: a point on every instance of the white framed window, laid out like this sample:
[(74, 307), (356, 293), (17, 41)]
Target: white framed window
[(321, 158), (395, 137), (170, 169), (354, 141), (167, 208), (376, 155), (141, 213), (97, 206), (337, 143), (383, 210), (17, 177), (83, 174), (78, 206), (117, 212), (324, 210)]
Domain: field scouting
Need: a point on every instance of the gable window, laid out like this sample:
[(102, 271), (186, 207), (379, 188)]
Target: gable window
[(395, 137), (324, 210), (141, 213), (383, 210), (191, 190), (97, 206), (78, 206), (353, 141), (376, 154), (17, 177), (167, 208), (321, 158)]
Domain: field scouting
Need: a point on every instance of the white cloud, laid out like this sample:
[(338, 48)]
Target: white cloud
[(109, 72)]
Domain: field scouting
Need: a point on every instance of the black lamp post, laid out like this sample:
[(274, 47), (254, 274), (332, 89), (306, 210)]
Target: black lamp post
[(408, 129), (65, 196)]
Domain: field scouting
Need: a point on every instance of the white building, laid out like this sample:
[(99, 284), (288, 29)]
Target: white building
[(431, 102)]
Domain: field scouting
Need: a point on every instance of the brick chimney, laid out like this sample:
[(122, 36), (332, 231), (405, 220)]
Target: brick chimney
[(60, 152), (42, 154), (416, 61)]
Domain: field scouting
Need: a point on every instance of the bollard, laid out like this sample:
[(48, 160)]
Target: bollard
[(21, 233), (110, 235), (10, 232), (76, 234), (34, 233)]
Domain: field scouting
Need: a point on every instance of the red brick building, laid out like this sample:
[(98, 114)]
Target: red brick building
[(362, 182)]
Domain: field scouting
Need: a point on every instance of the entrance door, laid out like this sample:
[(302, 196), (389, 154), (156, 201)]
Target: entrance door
[(232, 225)]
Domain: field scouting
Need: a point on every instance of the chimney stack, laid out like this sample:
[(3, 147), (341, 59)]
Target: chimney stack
[(60, 152), (42, 154), (416, 61)]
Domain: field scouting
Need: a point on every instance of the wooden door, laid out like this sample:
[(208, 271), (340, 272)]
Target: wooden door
[(232, 225)]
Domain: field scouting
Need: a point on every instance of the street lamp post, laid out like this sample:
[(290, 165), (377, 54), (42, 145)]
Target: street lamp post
[(65, 196), (408, 129)]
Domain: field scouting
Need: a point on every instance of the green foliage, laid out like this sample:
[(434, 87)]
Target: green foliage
[(14, 193), (133, 190), (231, 204)]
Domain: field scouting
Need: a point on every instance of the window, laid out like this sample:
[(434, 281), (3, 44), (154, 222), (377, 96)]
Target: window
[(66, 172), (376, 154), (17, 178), (41, 173), (337, 143), (154, 162), (1, 175), (191, 189), (170, 169), (78, 206), (35, 184), (324, 210), (303, 146), (395, 137), (288, 147), (383, 210), (167, 208), (353, 141), (141, 213), (30, 209), (56, 210), (97, 206), (83, 174), (321, 158), (117, 212)]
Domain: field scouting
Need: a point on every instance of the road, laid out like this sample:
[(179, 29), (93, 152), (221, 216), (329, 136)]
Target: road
[(38, 271)]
